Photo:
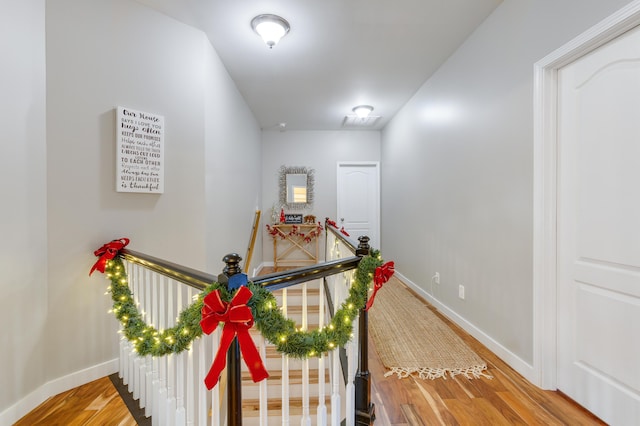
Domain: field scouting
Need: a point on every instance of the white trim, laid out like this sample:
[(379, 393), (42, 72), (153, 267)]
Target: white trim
[(62, 384), (261, 266), (545, 181), (513, 360)]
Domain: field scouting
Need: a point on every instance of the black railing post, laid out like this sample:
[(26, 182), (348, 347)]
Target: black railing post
[(365, 409), (234, 386)]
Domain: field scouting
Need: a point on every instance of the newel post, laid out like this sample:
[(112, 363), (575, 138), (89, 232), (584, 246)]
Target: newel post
[(234, 387), (365, 410)]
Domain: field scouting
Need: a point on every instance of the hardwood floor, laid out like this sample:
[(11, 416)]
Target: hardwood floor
[(95, 404), (507, 399)]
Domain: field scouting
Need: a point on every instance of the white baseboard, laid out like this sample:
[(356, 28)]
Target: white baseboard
[(62, 384), (259, 267), (514, 361)]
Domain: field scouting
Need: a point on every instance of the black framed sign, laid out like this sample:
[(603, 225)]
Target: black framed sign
[(293, 218)]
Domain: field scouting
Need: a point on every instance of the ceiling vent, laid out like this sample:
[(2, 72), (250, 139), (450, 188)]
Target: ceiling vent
[(355, 121)]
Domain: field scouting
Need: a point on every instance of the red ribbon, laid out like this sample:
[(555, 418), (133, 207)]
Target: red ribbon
[(108, 252), (381, 276), (332, 223), (237, 319), (344, 232)]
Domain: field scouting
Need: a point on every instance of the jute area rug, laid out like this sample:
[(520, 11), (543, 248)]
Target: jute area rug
[(412, 340)]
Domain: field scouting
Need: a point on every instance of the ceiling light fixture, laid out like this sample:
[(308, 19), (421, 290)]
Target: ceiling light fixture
[(271, 28), (363, 111)]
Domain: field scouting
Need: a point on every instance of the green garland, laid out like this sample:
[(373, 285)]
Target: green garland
[(275, 328)]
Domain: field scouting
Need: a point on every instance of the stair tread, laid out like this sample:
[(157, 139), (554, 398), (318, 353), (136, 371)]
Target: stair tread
[(251, 407), (295, 376)]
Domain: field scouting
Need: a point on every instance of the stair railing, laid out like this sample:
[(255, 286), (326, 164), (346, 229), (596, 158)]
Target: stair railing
[(170, 388)]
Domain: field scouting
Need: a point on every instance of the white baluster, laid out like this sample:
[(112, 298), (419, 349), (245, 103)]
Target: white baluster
[(264, 408), (124, 357), (352, 365), (123, 370), (148, 370), (335, 395), (171, 400), (203, 406), (136, 359), (321, 417), (335, 365), (285, 371), (122, 365), (161, 410), (155, 375), (214, 343), (152, 313), (181, 415), (306, 415), (190, 400)]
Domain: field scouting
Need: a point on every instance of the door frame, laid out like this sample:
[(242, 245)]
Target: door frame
[(545, 183), (375, 164)]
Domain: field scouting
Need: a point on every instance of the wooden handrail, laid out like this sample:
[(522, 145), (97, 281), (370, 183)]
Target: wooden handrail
[(191, 277), (275, 281)]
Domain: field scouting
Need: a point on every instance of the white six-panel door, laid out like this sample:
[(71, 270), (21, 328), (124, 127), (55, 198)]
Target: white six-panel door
[(598, 202)]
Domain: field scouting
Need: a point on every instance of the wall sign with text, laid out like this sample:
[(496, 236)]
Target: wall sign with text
[(293, 218), (140, 156)]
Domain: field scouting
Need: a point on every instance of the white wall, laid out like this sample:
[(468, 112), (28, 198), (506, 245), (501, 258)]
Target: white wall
[(318, 150), (233, 156), (466, 137), (23, 260), (100, 55)]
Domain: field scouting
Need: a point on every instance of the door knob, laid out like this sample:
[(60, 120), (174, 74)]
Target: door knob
[(342, 219)]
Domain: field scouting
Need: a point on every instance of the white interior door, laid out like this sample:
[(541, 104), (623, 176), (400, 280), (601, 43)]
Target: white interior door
[(598, 293), (359, 200)]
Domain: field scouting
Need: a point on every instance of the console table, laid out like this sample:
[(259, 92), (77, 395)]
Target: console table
[(294, 244)]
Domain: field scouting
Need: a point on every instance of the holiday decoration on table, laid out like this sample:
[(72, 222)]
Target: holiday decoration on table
[(275, 231), (381, 275), (252, 305)]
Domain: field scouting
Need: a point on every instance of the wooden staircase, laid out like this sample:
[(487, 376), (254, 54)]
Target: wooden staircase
[(274, 364)]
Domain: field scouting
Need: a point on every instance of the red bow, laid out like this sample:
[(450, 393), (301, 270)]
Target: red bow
[(381, 276), (332, 223), (237, 319), (108, 252), (344, 232)]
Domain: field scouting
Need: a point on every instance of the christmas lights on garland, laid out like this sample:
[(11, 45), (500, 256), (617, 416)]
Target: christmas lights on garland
[(274, 326)]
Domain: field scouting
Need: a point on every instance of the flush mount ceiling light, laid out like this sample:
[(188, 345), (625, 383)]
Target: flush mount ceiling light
[(363, 111), (361, 117), (271, 28)]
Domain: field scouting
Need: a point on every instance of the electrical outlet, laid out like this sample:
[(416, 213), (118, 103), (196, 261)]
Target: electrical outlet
[(436, 278), (461, 292)]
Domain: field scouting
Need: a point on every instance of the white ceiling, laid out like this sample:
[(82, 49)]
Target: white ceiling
[(338, 54)]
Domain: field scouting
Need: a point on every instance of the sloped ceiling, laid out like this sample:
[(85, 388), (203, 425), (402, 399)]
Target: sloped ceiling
[(338, 54)]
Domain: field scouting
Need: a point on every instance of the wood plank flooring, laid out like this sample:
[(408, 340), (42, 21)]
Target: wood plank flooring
[(97, 403), (507, 399)]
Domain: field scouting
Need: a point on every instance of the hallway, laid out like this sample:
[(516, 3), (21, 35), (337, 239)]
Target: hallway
[(507, 399)]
